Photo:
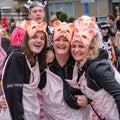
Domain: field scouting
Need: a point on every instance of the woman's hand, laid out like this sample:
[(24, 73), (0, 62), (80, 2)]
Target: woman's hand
[(2, 102), (82, 100)]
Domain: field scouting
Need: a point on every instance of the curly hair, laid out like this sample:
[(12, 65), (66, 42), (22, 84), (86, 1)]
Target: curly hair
[(93, 49)]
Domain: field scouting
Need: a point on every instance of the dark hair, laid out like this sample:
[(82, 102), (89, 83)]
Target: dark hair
[(104, 25), (118, 24), (112, 17), (30, 57)]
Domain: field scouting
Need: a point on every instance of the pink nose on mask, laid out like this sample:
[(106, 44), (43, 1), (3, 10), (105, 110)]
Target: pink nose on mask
[(91, 25), (63, 32), (77, 36)]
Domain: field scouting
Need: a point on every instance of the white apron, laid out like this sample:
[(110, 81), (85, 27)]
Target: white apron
[(54, 105), (103, 102), (30, 100)]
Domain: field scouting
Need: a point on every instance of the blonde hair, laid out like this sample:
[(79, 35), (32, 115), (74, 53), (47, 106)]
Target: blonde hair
[(93, 51)]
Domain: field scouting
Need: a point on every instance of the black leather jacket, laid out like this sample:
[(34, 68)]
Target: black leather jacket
[(5, 42), (101, 72)]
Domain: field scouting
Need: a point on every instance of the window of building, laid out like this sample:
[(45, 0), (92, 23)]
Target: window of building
[(5, 12), (61, 7)]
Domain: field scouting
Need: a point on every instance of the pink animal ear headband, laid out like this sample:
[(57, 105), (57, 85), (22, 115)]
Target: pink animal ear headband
[(63, 29), (83, 36), (32, 27)]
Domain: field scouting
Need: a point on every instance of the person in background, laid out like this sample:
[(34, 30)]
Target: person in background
[(3, 53), (17, 36), (5, 27), (112, 25), (4, 33), (51, 21), (26, 61), (12, 27), (5, 42), (118, 16), (116, 39), (51, 31), (85, 22), (35, 12), (4, 45), (109, 46)]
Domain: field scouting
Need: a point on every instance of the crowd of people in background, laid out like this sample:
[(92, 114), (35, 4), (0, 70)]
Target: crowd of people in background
[(59, 70)]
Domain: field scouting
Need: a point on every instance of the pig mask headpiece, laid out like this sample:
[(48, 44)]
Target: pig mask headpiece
[(63, 29)]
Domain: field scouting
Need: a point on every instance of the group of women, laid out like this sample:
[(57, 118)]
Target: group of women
[(78, 84)]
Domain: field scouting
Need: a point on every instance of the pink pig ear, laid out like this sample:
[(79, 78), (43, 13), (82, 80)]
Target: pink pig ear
[(21, 24), (72, 25), (80, 19), (92, 32), (92, 25), (93, 19), (28, 23), (44, 24), (76, 30), (56, 23)]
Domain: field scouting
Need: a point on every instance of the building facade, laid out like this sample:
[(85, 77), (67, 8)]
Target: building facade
[(12, 9), (76, 8), (73, 8)]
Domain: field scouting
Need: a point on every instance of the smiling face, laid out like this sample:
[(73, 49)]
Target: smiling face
[(37, 13), (79, 51), (37, 42), (80, 44), (61, 46), (104, 32)]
